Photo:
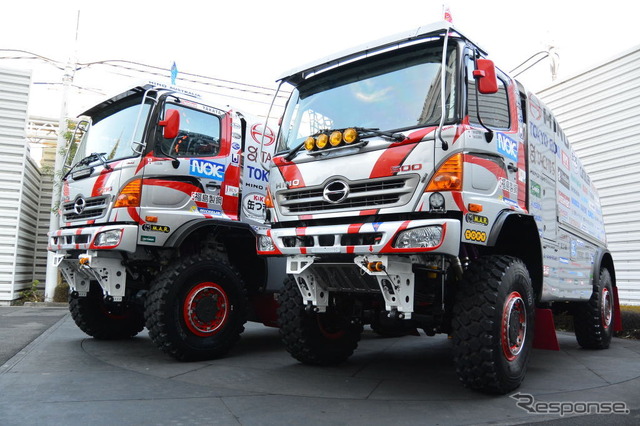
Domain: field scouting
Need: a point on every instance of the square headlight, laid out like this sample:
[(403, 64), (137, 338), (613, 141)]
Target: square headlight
[(109, 238), (428, 236), (265, 243)]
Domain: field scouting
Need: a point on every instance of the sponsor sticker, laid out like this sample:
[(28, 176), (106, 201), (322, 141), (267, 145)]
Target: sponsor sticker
[(477, 219), (211, 212), (563, 178), (231, 191), (206, 169), (259, 134), (472, 235), (147, 239), (507, 146), (510, 202), (206, 198), (253, 205), (148, 227), (536, 190), (509, 186)]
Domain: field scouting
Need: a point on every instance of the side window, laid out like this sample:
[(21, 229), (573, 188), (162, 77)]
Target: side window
[(494, 108), (199, 134)]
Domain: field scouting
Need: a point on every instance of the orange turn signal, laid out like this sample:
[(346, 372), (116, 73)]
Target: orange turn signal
[(129, 196), (449, 175)]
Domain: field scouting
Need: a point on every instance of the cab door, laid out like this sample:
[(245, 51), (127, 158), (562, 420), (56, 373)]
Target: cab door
[(184, 175)]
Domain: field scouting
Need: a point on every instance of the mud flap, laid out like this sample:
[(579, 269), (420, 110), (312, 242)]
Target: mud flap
[(545, 331), (617, 316)]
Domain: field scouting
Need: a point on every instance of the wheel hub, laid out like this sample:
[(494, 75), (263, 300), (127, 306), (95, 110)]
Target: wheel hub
[(206, 309), (514, 326)]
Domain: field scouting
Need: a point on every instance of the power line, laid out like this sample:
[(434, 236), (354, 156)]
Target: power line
[(159, 71), (110, 61)]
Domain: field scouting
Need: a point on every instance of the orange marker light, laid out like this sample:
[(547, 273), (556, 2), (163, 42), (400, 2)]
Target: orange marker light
[(475, 208)]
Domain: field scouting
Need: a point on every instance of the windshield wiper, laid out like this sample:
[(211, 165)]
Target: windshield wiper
[(293, 152), (103, 159), (96, 156), (367, 132)]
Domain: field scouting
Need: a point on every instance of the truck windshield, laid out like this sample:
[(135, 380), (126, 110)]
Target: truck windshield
[(111, 131), (392, 91)]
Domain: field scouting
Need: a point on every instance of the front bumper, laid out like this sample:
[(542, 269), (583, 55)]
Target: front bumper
[(358, 238), (64, 240), (374, 254), (94, 262)]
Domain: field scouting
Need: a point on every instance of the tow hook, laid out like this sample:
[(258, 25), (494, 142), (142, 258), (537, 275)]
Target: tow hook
[(394, 314), (310, 309)]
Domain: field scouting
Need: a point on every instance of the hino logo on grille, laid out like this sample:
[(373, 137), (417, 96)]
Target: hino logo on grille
[(79, 205), (336, 191)]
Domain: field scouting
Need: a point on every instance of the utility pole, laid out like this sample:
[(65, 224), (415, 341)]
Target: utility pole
[(67, 79)]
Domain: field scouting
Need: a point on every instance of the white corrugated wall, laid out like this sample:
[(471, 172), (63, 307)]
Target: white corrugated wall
[(599, 111), (14, 97)]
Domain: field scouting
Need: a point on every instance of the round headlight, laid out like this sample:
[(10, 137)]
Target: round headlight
[(310, 143), (350, 135), (322, 141)]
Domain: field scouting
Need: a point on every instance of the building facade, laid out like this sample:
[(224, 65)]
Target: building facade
[(25, 193)]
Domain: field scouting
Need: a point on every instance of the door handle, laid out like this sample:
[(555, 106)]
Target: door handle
[(213, 185), (512, 168)]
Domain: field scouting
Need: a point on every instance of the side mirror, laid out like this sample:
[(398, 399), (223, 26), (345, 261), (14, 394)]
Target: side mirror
[(485, 75), (171, 124)]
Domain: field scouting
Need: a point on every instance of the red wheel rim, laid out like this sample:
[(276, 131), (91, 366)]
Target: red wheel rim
[(329, 331), (206, 309), (514, 326), (606, 308)]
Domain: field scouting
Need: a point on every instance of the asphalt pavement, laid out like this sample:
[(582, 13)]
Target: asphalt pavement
[(63, 377)]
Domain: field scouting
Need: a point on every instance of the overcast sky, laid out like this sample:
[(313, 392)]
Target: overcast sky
[(256, 41)]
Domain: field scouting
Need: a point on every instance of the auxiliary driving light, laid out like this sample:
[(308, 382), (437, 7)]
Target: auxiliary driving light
[(322, 141), (310, 143), (336, 138), (350, 135), (427, 236), (436, 201)]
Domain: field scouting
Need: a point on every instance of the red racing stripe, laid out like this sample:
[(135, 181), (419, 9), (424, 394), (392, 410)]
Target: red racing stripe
[(290, 173), (392, 156)]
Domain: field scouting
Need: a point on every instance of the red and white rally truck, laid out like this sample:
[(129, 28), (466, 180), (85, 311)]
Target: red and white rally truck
[(159, 208), (417, 186)]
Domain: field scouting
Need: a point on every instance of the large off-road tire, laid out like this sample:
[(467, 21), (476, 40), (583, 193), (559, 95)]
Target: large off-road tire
[(593, 320), (196, 309), (315, 338), (493, 321), (103, 320)]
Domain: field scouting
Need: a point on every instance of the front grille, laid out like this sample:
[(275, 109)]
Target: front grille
[(95, 207), (378, 193), (343, 240), (70, 239)]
